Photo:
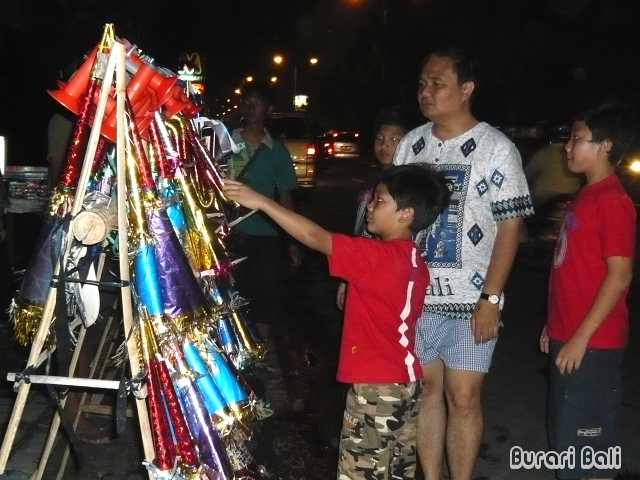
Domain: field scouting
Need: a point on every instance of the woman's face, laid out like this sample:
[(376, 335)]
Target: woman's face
[(386, 142)]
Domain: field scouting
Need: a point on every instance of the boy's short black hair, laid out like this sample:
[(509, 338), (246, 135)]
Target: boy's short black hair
[(464, 63), (420, 187), (612, 121), (392, 116)]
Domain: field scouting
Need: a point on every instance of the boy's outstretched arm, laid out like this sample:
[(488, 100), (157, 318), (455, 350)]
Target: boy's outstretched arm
[(301, 228), (619, 276)]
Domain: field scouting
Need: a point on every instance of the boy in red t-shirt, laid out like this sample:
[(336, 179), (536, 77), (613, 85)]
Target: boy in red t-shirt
[(588, 322), (387, 286)]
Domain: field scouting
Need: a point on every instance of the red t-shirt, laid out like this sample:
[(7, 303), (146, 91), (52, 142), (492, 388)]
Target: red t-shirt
[(387, 285), (600, 223)]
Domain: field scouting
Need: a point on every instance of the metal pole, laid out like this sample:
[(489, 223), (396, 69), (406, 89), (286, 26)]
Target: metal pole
[(295, 84)]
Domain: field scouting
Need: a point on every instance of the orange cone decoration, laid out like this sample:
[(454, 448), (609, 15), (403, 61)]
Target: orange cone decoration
[(70, 94)]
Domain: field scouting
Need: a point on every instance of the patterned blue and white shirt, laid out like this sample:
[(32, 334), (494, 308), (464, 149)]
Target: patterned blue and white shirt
[(488, 185)]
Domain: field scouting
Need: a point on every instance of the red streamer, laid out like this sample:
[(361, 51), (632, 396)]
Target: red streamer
[(162, 440), (158, 148), (146, 179), (181, 142), (185, 446), (100, 157), (71, 174), (201, 164)]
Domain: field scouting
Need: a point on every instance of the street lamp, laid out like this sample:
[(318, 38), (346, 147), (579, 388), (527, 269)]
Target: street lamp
[(279, 59), (237, 91), (273, 79), (248, 79)]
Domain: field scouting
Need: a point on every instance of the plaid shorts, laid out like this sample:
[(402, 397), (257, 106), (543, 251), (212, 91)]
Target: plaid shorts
[(451, 340), (378, 438)]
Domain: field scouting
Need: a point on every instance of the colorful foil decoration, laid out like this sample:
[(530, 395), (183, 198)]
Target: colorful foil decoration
[(184, 444), (180, 292), (213, 399), (211, 450), (160, 430)]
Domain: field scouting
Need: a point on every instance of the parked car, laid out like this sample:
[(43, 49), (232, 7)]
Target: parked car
[(299, 135), (341, 145)]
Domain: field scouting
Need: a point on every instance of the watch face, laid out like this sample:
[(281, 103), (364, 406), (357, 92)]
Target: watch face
[(495, 299)]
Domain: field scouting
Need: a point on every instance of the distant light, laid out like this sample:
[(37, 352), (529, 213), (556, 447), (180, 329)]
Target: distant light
[(273, 79), (313, 60), (356, 134), (634, 166), (228, 100), (237, 91), (3, 159), (235, 106), (300, 102), (278, 59), (335, 134), (248, 78)]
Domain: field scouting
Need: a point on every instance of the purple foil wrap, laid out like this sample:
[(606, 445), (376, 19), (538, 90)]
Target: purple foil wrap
[(181, 293), (212, 451)]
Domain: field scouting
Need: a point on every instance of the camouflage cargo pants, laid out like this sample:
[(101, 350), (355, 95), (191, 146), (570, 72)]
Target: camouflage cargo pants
[(378, 438)]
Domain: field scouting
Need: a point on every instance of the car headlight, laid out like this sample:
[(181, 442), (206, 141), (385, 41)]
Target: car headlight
[(634, 167)]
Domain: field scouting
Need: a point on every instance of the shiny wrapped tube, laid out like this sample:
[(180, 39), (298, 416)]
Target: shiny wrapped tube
[(159, 152), (171, 153), (226, 336), (146, 178), (224, 377), (211, 450), (162, 440), (198, 229), (246, 340), (213, 399), (79, 136), (169, 193), (177, 130), (181, 293), (101, 155), (184, 443), (138, 225), (146, 280)]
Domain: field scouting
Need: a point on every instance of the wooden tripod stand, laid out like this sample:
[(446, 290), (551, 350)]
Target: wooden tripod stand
[(116, 66)]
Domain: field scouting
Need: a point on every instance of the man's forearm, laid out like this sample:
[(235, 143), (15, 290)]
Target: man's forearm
[(504, 252)]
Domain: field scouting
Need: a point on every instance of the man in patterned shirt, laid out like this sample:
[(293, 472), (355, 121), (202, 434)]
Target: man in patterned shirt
[(469, 251)]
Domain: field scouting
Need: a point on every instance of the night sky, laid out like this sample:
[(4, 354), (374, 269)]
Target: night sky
[(539, 60)]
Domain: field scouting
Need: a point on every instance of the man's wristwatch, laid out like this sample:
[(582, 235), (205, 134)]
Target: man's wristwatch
[(492, 298)]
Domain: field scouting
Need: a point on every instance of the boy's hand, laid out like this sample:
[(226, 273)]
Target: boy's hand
[(544, 340), (241, 193), (342, 291), (485, 322), (570, 356)]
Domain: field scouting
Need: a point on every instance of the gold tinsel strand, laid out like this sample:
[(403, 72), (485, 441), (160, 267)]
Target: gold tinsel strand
[(26, 320)]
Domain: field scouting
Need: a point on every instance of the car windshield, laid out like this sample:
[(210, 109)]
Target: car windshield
[(291, 127)]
